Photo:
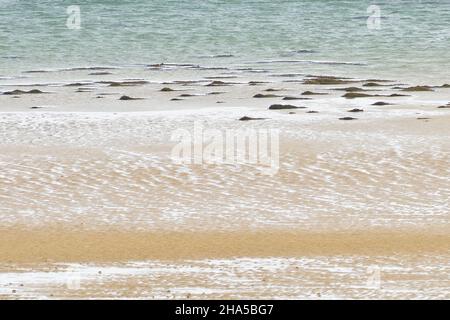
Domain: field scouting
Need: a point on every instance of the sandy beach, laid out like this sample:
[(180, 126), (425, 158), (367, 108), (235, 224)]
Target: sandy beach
[(93, 205)]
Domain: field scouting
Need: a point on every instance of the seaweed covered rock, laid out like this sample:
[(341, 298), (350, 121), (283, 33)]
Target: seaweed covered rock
[(260, 95), (353, 95), (245, 118), (381, 103), (284, 107), (218, 83), (418, 88), (20, 92), (126, 98), (310, 93)]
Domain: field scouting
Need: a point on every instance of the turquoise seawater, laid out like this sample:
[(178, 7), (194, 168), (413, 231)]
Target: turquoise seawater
[(411, 38)]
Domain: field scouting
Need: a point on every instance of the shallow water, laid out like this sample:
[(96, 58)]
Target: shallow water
[(412, 42)]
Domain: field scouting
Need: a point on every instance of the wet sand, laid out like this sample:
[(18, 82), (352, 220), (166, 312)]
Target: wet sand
[(23, 245)]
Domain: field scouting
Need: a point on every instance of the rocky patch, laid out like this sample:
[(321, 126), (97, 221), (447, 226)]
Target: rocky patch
[(245, 118), (284, 107), (256, 83), (373, 84), (127, 98), (20, 92), (417, 88), (310, 93), (295, 98), (353, 95), (350, 89), (381, 103), (273, 90), (218, 83), (260, 95)]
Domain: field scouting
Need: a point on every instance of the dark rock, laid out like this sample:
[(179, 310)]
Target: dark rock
[(445, 85), (245, 118), (35, 107), (310, 93), (312, 111), (125, 98), (348, 118), (256, 83), (215, 93), (445, 107), (284, 107), (418, 88), (356, 110), (422, 118), (35, 91), (176, 99), (295, 98), (187, 95), (19, 92), (260, 95), (35, 71), (353, 95), (218, 83), (372, 84), (272, 90), (350, 89), (166, 89), (76, 84), (381, 103), (398, 95)]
